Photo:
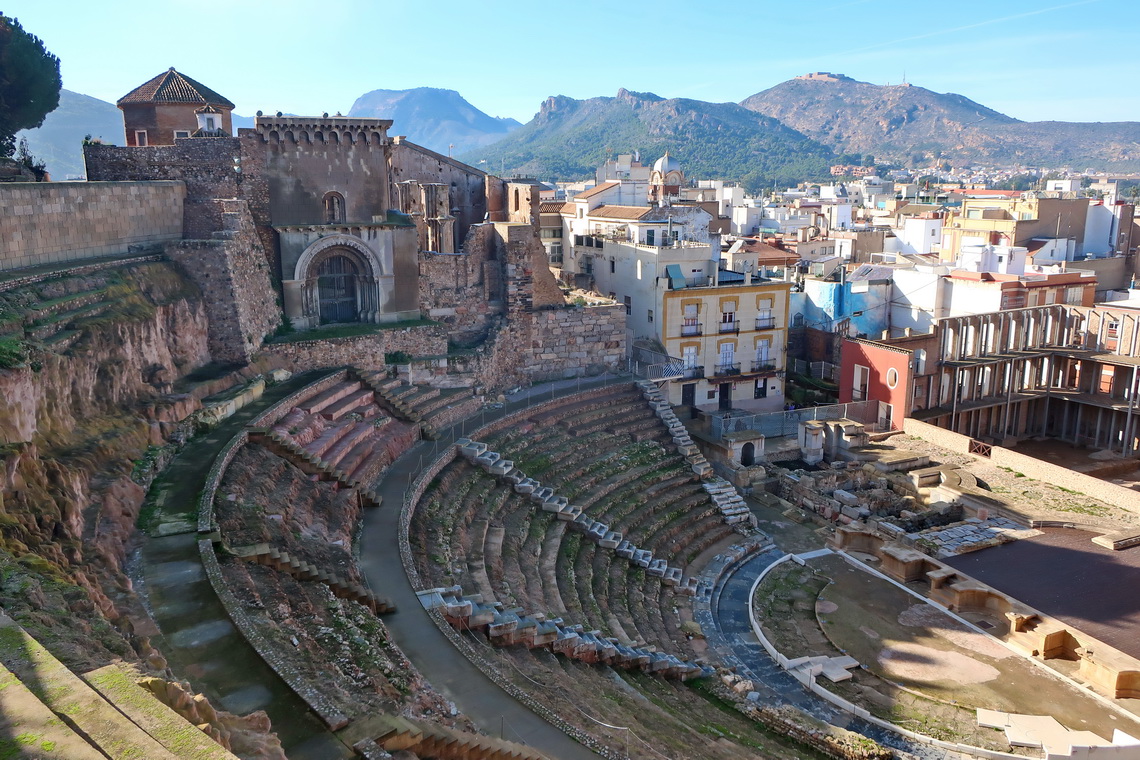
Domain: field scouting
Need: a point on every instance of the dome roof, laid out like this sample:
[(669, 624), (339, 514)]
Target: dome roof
[(667, 164)]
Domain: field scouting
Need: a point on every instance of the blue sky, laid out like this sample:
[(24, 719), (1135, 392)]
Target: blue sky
[(1073, 60)]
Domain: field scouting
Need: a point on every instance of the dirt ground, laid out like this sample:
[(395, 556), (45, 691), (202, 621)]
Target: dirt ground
[(923, 670), (1031, 499), (918, 647)]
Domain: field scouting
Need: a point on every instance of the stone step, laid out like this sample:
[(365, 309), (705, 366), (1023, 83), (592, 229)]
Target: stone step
[(65, 694), (119, 687), (349, 403), (358, 432), (317, 403)]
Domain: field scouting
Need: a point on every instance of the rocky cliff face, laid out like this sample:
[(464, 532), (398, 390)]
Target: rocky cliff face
[(92, 396)]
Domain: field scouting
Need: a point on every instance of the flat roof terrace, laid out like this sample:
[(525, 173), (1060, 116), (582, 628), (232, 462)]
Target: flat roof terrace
[(1065, 575)]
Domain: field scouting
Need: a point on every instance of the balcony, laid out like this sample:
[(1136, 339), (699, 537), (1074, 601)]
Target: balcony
[(768, 365), (689, 331), (765, 323), (728, 369), (693, 373), (729, 327)]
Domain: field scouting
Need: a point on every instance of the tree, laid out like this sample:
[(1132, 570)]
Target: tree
[(29, 82)]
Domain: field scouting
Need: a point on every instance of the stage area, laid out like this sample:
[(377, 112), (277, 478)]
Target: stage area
[(1065, 575)]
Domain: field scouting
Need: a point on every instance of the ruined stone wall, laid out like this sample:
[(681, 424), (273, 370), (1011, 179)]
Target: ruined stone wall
[(232, 272), (1038, 469), (205, 165), (466, 183), (48, 222), (571, 342), (366, 351)]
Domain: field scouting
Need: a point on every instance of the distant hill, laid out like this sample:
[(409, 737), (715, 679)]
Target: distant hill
[(436, 119), (59, 142), (904, 122), (568, 139)]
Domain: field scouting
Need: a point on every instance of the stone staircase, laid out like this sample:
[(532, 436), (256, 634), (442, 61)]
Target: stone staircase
[(722, 493), (507, 627), (52, 712), (312, 464), (264, 554), (403, 398), (548, 500), (392, 733)]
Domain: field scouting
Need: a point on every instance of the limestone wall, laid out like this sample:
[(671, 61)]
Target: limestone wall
[(1038, 469), (232, 271), (52, 222), (365, 351), (572, 341)]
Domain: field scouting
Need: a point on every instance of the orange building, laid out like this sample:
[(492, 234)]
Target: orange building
[(173, 105)]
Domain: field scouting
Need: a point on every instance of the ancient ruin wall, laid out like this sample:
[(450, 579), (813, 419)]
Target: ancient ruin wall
[(233, 273), (54, 222), (366, 351), (1110, 493)]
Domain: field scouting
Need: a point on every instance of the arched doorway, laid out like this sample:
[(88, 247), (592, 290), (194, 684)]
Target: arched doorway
[(336, 289), (748, 454)]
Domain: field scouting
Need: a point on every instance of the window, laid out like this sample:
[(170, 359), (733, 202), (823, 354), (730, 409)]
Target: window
[(712, 395), (140, 138), (649, 237), (892, 377), (181, 133), (613, 266), (628, 305), (728, 316), (1113, 329), (651, 316), (689, 356), (676, 235), (727, 356), (761, 390), (210, 123), (1074, 295), (334, 208), (639, 269)]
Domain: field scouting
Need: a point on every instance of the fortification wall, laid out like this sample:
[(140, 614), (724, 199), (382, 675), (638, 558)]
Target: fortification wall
[(206, 166), (232, 272), (44, 223), (365, 351)]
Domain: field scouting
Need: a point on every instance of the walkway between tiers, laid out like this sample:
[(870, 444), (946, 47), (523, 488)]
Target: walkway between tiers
[(444, 666), (198, 637), (729, 633)]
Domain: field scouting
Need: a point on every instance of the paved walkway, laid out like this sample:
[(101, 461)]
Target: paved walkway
[(199, 640), (723, 615), (444, 666)]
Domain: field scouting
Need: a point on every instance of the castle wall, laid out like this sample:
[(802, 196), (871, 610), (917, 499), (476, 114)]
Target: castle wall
[(233, 275), (49, 222), (466, 183), (205, 165)]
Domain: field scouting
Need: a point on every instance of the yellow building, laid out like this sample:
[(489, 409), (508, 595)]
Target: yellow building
[(731, 336)]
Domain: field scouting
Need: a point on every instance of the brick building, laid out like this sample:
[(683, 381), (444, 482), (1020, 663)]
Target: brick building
[(173, 105)]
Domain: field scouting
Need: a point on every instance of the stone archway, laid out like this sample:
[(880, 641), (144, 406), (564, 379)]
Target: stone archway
[(748, 454), (336, 279)]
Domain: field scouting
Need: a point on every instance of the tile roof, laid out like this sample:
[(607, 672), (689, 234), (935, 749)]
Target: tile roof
[(770, 254), (172, 87), (550, 207), (596, 190), (622, 212)]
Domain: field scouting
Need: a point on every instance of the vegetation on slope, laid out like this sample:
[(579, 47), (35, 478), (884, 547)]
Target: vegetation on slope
[(569, 138)]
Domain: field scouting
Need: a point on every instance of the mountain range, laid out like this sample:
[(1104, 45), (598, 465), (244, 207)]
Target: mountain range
[(787, 133), (907, 124), (568, 138), (440, 120)]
